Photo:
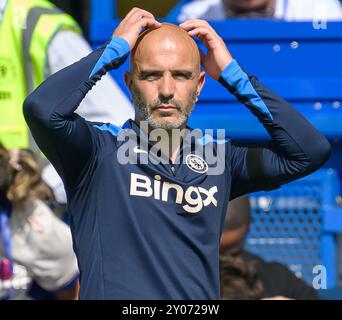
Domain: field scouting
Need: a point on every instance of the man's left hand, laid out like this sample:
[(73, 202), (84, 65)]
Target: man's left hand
[(218, 57)]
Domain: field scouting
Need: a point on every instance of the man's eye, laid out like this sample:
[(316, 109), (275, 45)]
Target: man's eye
[(150, 77), (181, 76)]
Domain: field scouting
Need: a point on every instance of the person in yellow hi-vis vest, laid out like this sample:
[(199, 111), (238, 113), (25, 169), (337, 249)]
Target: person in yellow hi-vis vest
[(36, 40), (26, 29)]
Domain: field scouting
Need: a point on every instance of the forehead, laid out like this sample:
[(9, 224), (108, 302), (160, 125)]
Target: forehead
[(166, 53)]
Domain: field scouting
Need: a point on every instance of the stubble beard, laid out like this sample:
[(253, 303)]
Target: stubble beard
[(146, 110)]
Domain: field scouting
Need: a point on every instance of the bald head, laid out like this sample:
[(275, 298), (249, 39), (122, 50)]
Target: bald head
[(168, 40)]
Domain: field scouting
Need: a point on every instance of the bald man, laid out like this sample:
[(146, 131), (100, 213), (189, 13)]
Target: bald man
[(147, 209)]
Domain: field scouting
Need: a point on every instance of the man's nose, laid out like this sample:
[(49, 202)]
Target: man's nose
[(166, 88)]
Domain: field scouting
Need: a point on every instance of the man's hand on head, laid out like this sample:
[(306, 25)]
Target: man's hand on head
[(218, 57), (131, 26)]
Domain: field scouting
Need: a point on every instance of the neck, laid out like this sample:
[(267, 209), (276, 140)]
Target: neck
[(172, 143)]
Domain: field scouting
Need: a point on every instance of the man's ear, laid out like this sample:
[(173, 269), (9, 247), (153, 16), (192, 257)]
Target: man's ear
[(128, 80), (201, 82)]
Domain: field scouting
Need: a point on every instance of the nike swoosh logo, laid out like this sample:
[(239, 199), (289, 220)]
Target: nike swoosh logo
[(137, 150)]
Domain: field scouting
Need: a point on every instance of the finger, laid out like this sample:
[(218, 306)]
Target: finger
[(195, 23), (149, 23), (139, 14), (135, 10), (131, 12), (201, 33)]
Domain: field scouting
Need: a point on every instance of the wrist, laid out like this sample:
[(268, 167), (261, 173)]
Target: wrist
[(225, 63), (231, 72), (121, 45)]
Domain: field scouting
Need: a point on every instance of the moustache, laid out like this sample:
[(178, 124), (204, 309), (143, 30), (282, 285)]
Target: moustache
[(159, 104)]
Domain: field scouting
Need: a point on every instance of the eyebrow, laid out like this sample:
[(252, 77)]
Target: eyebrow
[(186, 73)]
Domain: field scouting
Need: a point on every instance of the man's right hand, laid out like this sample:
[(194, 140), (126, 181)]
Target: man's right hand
[(131, 26)]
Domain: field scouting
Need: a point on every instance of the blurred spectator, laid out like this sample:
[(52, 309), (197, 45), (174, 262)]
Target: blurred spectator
[(36, 254), (50, 40), (247, 276), (290, 10), (239, 280)]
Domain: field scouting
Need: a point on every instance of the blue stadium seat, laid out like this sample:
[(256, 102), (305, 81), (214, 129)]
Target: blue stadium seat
[(297, 225)]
